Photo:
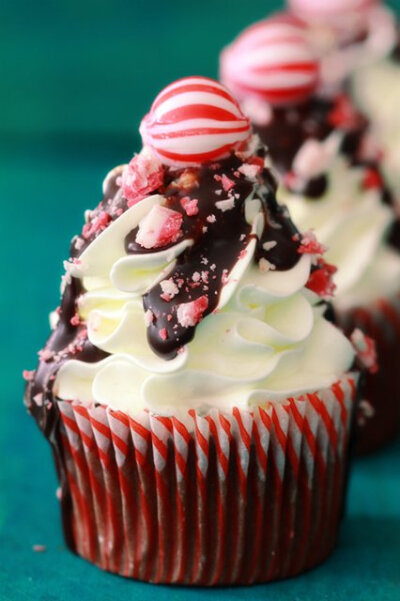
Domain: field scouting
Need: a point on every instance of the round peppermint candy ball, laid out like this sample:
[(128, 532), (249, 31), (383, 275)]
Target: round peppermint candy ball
[(193, 121), (272, 60)]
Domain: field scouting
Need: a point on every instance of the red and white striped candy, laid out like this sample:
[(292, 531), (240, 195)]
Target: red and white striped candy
[(322, 9), (272, 60), (192, 121)]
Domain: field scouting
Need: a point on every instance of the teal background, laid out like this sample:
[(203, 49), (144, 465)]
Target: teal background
[(75, 79)]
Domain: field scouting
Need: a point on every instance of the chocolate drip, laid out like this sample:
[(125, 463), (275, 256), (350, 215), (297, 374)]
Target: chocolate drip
[(219, 237), (67, 341), (291, 127), (316, 187)]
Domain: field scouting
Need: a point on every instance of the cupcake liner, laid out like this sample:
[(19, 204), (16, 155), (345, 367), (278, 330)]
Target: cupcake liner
[(380, 321), (216, 499)]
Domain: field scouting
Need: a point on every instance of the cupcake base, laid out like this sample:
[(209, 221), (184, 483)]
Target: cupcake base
[(221, 499), (380, 321)]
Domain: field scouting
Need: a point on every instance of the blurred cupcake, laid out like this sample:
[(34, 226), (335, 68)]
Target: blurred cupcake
[(330, 176), (197, 399), (359, 43)]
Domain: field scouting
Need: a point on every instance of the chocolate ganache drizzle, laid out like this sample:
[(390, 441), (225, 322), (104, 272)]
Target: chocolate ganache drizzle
[(219, 237), (219, 233), (291, 126)]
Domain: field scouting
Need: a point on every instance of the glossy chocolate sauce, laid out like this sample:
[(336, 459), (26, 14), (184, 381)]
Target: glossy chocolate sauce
[(219, 238), (290, 127)]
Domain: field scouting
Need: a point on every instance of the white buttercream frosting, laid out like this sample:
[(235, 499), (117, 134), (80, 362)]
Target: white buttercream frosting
[(353, 223), (377, 91), (267, 339)]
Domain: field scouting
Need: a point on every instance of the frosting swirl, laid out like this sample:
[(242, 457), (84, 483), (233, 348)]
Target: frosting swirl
[(266, 337), (191, 287)]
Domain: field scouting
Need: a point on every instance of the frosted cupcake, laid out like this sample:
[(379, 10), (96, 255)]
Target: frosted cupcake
[(198, 401), (330, 179), (360, 45)]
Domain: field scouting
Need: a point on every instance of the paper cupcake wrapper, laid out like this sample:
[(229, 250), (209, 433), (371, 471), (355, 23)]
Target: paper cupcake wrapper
[(225, 498), (381, 321)]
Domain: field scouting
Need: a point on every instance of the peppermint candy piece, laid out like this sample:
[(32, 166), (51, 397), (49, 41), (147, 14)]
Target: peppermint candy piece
[(193, 121), (272, 60)]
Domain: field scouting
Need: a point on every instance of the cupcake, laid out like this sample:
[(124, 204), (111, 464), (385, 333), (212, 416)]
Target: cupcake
[(330, 179), (197, 397), (359, 42)]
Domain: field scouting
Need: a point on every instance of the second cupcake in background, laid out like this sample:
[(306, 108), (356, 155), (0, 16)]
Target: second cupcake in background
[(359, 43), (330, 178)]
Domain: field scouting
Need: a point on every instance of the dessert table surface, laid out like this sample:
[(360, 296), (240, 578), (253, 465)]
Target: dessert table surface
[(77, 78)]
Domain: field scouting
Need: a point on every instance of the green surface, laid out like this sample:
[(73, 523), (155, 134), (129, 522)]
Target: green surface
[(75, 77)]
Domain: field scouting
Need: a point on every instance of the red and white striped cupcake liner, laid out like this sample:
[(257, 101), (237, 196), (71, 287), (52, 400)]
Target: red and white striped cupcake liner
[(217, 499), (380, 321)]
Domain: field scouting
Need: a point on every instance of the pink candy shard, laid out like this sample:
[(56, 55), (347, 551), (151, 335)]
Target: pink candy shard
[(189, 314), (160, 227), (321, 279), (310, 245), (190, 206), (28, 375), (141, 177), (366, 350)]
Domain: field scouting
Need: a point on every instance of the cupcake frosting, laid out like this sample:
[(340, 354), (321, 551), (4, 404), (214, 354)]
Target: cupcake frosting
[(189, 286), (376, 88)]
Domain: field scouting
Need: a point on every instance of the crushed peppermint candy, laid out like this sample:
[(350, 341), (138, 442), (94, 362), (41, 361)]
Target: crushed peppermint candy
[(75, 320), (265, 265), (365, 412), (97, 225), (269, 245), (190, 314), (366, 350), (225, 205), (169, 289), (39, 399), (190, 206), (226, 182), (160, 227), (142, 176), (163, 334), (344, 114), (251, 171), (211, 218), (78, 243), (321, 279), (148, 318), (28, 375), (372, 179), (309, 245), (46, 354)]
